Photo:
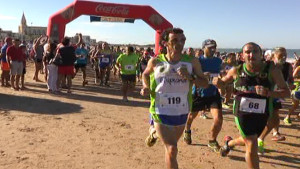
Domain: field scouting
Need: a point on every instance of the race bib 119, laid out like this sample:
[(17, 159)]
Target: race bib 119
[(172, 100), (252, 105)]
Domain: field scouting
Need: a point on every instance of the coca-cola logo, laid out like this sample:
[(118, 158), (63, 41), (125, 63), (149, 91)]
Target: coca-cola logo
[(112, 9), (155, 19)]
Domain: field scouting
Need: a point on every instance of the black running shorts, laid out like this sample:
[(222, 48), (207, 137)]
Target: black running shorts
[(203, 103), (251, 123), (128, 78)]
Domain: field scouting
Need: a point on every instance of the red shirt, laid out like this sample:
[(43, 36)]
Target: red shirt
[(15, 54)]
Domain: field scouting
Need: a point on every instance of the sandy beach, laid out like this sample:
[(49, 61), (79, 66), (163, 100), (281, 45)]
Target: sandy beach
[(93, 128)]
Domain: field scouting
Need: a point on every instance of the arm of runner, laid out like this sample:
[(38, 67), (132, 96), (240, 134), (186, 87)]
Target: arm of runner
[(146, 77), (3, 52), (44, 58), (228, 78), (95, 55), (199, 79), (296, 56), (8, 56), (8, 59), (296, 73), (118, 64), (37, 42), (283, 90), (45, 41), (79, 40)]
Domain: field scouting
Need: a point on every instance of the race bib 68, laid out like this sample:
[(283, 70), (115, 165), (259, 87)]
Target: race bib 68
[(252, 105)]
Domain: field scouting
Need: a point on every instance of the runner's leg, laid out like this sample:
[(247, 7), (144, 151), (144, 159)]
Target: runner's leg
[(295, 104), (251, 156), (107, 75), (217, 123), (170, 135), (83, 69), (69, 82), (272, 122), (190, 120)]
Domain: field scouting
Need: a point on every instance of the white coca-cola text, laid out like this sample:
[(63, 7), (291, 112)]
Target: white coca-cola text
[(112, 9)]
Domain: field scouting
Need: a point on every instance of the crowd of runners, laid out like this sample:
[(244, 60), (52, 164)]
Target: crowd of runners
[(60, 62), (181, 83)]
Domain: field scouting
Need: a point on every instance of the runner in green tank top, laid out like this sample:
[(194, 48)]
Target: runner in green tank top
[(253, 101), (168, 79), (127, 65)]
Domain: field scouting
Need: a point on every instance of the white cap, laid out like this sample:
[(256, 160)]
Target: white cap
[(268, 53)]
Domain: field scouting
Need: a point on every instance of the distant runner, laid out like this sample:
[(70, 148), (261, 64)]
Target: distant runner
[(127, 65)]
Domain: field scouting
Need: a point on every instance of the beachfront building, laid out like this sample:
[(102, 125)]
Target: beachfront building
[(30, 32)]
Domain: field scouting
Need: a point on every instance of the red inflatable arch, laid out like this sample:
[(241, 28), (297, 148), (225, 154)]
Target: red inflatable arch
[(57, 22)]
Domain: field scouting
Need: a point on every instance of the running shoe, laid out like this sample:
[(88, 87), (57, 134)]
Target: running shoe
[(287, 121), (226, 106), (261, 149), (278, 137), (224, 151), (125, 99), (203, 116), (214, 145), (84, 83), (106, 84), (151, 139), (187, 137)]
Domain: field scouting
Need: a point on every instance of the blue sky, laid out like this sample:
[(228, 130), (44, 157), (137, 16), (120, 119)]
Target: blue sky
[(231, 23)]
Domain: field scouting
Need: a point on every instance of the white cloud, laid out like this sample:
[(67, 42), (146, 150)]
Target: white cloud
[(3, 17)]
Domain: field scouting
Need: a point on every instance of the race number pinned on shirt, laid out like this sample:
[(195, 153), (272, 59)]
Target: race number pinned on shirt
[(211, 76), (173, 100), (129, 67), (252, 105), (105, 60)]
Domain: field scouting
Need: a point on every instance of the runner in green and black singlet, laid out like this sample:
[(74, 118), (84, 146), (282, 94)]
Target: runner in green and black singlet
[(253, 84)]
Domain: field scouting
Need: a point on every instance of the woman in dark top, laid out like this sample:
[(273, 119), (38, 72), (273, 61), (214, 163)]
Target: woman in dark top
[(68, 57)]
